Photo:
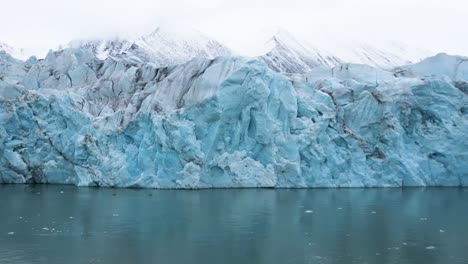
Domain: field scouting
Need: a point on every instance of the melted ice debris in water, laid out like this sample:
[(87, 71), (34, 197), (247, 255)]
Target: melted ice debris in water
[(423, 219), (115, 215), (11, 233), (430, 247)]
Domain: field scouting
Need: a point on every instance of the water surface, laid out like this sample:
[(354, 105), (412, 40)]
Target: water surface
[(65, 224)]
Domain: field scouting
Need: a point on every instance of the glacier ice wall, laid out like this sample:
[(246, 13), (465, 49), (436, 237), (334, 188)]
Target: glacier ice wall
[(230, 122)]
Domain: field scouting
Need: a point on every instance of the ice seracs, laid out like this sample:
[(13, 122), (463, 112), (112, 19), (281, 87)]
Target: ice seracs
[(438, 67), (73, 118)]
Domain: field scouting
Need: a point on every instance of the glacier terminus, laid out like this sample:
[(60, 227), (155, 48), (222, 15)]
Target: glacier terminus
[(120, 120)]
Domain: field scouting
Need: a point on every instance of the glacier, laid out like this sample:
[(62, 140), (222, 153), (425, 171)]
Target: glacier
[(73, 118)]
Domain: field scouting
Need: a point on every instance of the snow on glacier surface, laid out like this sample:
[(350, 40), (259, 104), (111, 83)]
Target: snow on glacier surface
[(230, 122)]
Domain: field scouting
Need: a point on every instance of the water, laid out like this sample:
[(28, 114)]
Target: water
[(64, 224)]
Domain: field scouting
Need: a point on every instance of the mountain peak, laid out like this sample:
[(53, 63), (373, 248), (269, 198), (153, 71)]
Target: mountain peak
[(14, 52), (163, 46), (287, 53)]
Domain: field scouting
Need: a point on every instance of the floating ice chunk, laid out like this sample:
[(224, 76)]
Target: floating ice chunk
[(308, 211), (11, 233), (339, 208), (430, 247), (373, 212), (71, 217), (423, 219), (441, 231), (45, 228), (115, 215), (62, 192)]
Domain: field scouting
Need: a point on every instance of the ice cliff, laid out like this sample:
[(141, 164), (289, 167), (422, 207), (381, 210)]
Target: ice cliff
[(231, 122)]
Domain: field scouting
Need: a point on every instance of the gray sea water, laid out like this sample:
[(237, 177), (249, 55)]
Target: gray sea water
[(65, 224)]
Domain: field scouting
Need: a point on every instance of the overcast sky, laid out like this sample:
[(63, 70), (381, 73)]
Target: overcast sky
[(38, 25)]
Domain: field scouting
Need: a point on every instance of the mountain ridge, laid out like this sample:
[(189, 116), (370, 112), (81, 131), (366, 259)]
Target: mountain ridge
[(282, 51), (289, 54), (161, 46)]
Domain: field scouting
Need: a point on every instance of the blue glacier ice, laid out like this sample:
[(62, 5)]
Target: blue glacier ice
[(231, 122)]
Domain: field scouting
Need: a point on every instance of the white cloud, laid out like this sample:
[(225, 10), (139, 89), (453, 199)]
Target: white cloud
[(432, 24)]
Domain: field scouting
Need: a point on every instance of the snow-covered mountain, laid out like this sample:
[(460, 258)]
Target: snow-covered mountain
[(162, 46), (286, 53), (103, 48), (289, 55), (281, 51), (12, 51)]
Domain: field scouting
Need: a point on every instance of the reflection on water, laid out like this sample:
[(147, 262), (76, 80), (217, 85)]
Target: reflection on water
[(64, 224)]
